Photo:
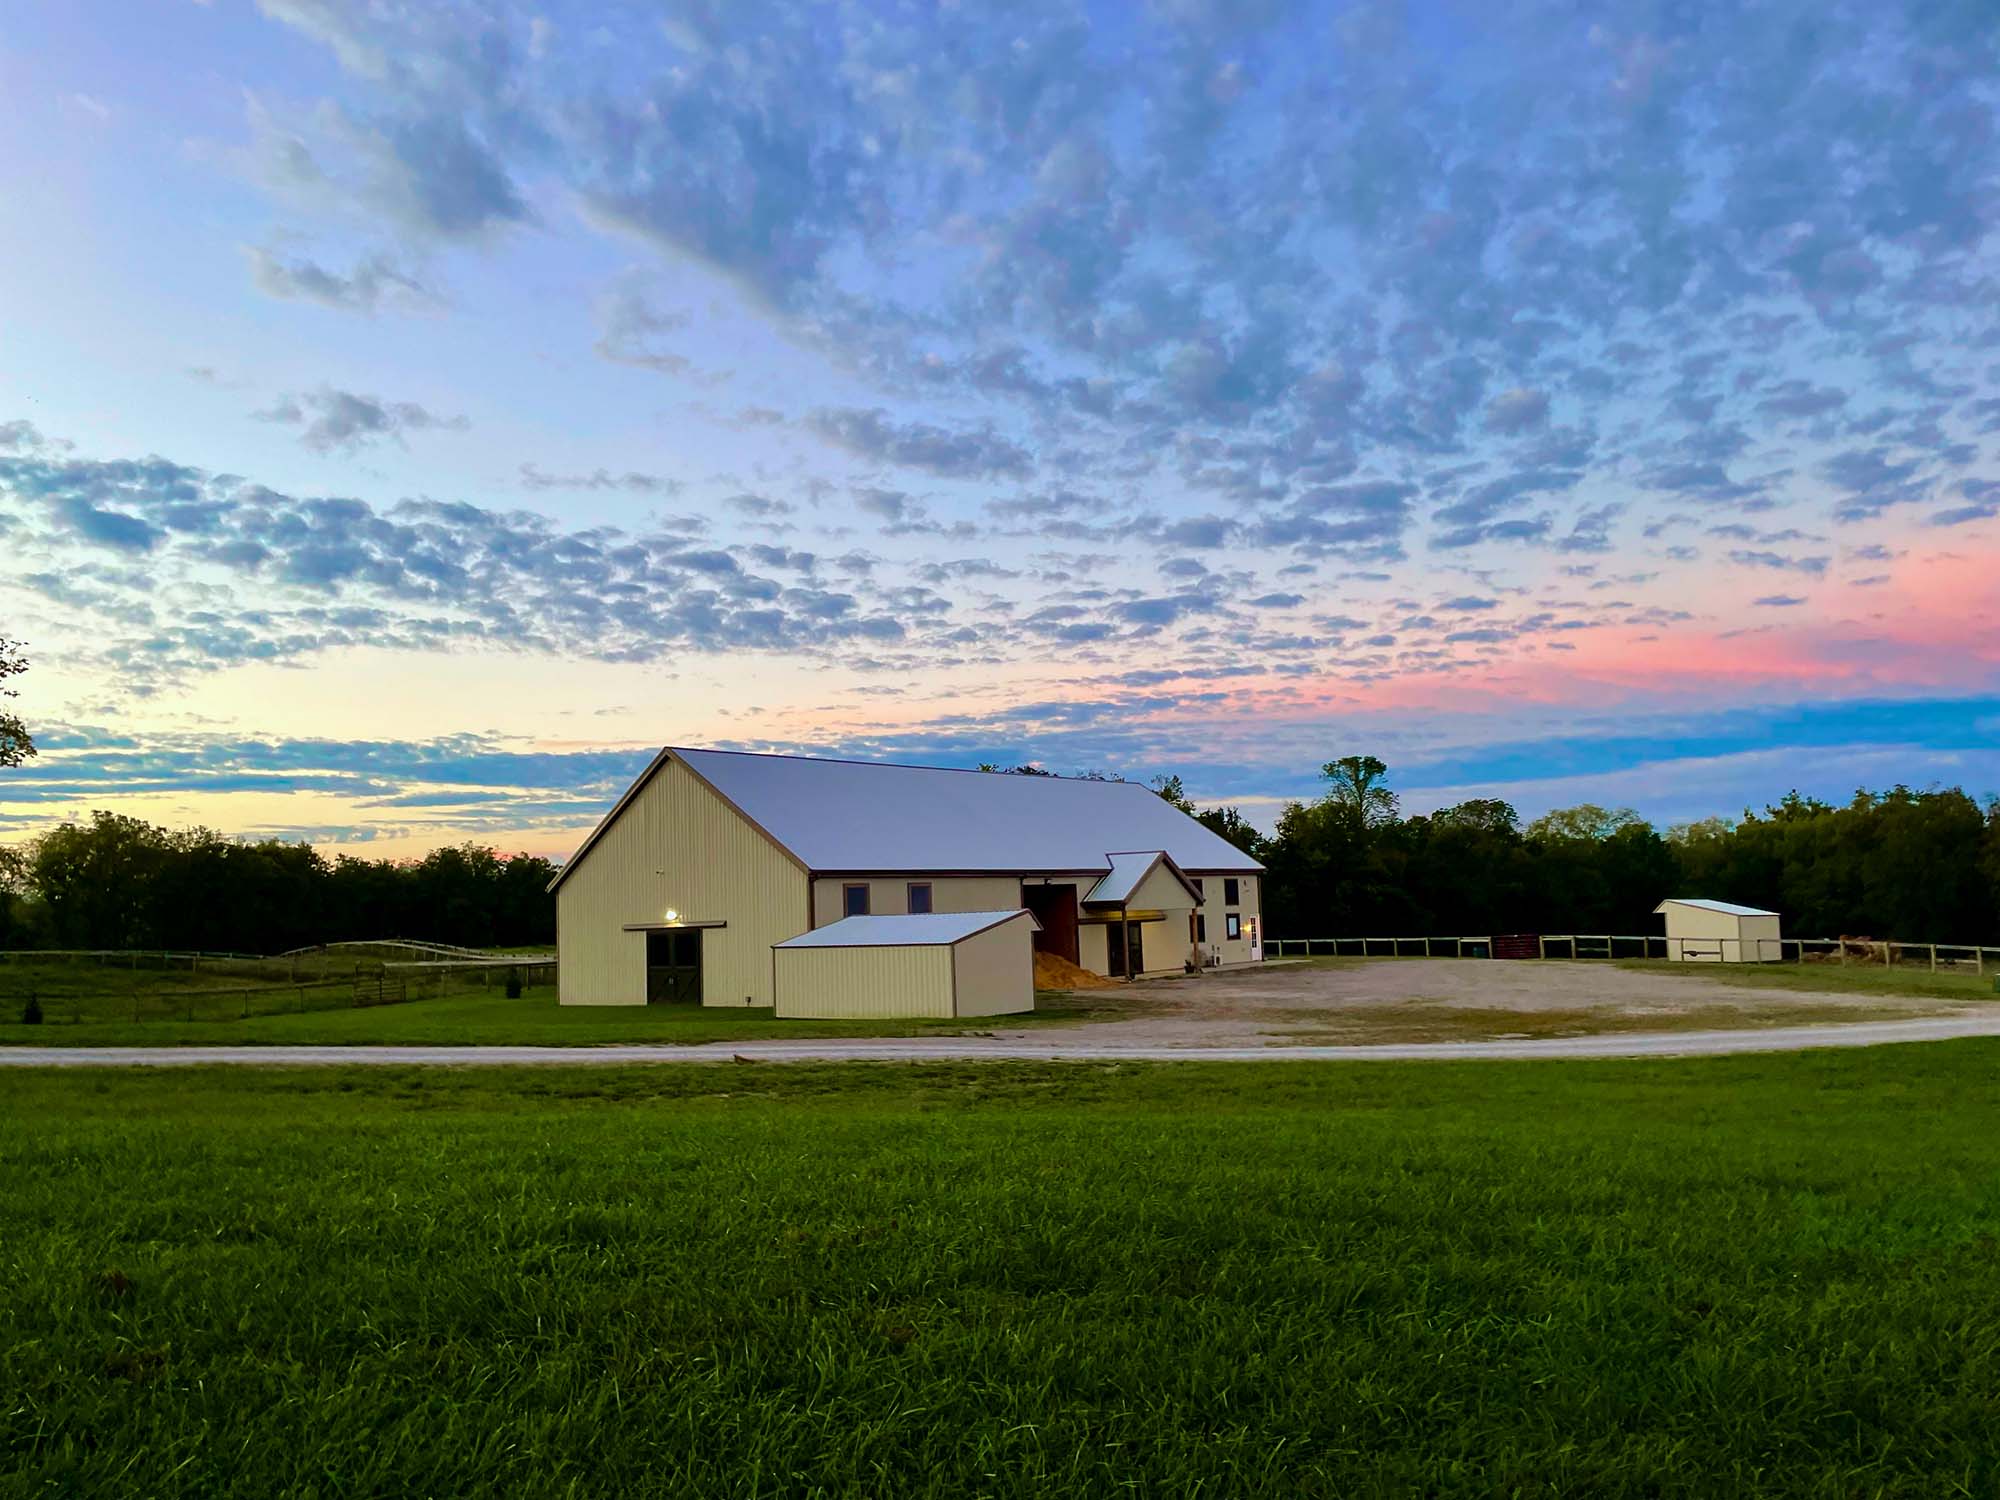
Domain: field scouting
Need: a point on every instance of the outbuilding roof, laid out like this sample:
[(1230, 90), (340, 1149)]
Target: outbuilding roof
[(916, 930), (1128, 872), (1727, 908), (870, 817)]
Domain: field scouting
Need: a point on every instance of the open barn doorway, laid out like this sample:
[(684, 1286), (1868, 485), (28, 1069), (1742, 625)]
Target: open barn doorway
[(1054, 907)]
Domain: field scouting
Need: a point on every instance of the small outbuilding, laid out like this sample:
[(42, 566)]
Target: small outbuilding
[(1701, 931), (940, 964)]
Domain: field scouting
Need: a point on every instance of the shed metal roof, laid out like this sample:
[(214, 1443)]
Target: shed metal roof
[(1727, 908), (866, 816), (915, 930)]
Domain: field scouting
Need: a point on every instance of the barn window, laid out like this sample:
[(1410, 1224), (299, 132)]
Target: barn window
[(854, 900), (1231, 894), (920, 895)]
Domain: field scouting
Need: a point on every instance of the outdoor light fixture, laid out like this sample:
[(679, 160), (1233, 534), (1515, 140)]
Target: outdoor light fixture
[(672, 915)]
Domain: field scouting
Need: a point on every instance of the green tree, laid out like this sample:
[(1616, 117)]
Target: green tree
[(1480, 815), (100, 881), (1230, 824), (16, 744), (1467, 869), (1357, 791), (1584, 821)]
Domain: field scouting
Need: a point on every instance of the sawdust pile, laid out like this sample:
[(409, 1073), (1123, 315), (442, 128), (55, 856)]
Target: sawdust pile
[(1053, 972)]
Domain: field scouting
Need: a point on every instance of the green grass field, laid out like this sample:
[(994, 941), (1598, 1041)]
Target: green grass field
[(485, 1017), (1736, 1276), (140, 998)]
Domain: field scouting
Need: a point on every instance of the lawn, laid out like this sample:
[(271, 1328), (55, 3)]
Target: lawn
[(1730, 1276), (145, 987), (485, 1017)]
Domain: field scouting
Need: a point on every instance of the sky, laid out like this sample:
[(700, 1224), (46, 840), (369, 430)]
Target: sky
[(413, 415)]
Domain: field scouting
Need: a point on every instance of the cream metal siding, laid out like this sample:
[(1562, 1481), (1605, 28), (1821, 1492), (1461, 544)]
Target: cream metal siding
[(1215, 911), (1695, 934), (1093, 950), (889, 895), (1164, 946), (677, 845), (994, 970), (1159, 891), (1760, 939), (865, 983)]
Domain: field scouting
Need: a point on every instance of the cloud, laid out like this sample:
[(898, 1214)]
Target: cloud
[(332, 420), (1517, 411), (875, 436), (891, 505), (1180, 255), (1205, 533), (533, 478), (1816, 566), (424, 173), (1873, 481), (243, 572), (633, 331), (373, 283), (111, 528)]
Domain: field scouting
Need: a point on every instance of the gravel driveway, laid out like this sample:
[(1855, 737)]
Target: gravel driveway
[(1415, 1000), (1385, 1010)]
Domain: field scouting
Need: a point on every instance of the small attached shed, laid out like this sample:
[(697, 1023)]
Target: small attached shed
[(941, 964), (1145, 907), (1701, 931)]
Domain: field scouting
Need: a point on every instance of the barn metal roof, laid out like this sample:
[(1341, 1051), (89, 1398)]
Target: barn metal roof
[(856, 816), (1727, 908), (916, 930)]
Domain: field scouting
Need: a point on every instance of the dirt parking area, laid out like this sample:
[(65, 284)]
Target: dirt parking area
[(1420, 1000)]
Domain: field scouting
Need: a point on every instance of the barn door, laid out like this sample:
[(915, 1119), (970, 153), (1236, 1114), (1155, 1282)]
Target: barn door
[(673, 967)]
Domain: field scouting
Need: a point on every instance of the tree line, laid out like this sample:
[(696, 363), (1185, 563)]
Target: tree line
[(1917, 866), (120, 882)]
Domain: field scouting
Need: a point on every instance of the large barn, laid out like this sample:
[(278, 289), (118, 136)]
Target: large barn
[(713, 857)]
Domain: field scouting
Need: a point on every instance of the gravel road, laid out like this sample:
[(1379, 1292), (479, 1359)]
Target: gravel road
[(1055, 1048)]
